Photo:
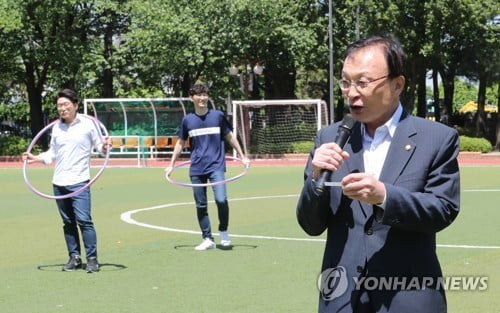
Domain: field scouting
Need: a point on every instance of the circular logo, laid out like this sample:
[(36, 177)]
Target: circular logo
[(332, 283)]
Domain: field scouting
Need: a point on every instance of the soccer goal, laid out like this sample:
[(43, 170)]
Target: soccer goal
[(278, 126)]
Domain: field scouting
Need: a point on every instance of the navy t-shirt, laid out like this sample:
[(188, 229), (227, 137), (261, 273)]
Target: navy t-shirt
[(206, 136)]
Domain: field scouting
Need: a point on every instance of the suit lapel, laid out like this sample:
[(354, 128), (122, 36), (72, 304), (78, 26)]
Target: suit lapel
[(356, 164), (400, 151)]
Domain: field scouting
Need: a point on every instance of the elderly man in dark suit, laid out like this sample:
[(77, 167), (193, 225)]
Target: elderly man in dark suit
[(398, 185)]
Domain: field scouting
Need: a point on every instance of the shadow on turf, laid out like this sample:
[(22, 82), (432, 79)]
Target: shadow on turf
[(219, 247), (107, 267)]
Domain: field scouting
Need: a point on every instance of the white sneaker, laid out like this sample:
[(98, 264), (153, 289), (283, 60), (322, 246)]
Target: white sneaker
[(224, 239), (206, 244)]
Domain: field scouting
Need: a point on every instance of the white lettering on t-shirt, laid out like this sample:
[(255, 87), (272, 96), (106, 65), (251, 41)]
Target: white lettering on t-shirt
[(204, 131)]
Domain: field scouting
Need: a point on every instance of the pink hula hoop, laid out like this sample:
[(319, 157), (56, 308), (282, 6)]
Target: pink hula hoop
[(245, 170), (76, 192)]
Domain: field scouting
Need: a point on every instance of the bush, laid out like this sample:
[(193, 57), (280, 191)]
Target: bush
[(279, 139), (283, 147), (474, 144), (302, 146), (275, 148), (13, 145)]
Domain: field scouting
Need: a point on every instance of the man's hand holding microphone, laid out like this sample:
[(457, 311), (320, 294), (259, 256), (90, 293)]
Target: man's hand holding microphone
[(329, 157)]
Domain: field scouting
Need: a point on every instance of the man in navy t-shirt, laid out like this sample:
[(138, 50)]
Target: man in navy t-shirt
[(207, 131)]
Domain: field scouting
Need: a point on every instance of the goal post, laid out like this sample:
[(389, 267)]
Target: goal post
[(274, 127)]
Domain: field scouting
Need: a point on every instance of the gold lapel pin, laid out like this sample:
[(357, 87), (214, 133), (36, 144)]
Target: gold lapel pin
[(407, 147)]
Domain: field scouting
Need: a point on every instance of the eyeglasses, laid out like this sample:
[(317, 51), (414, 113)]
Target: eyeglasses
[(358, 84), (63, 104)]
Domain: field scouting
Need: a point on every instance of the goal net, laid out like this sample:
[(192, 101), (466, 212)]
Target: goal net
[(278, 126)]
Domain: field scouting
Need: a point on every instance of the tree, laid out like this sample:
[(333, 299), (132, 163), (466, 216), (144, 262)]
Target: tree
[(481, 54), (497, 142), (49, 39), (406, 20), (110, 21), (487, 58), (462, 44), (145, 48), (9, 21), (193, 39)]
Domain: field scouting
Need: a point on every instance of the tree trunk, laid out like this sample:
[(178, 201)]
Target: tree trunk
[(481, 130), (35, 101), (280, 83), (435, 95), (186, 83), (421, 90), (280, 77), (497, 144), (421, 62), (107, 75), (408, 95), (448, 89)]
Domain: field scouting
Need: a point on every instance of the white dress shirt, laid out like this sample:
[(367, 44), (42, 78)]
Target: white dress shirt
[(375, 149), (70, 147)]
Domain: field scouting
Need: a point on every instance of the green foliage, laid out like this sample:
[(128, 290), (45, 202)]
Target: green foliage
[(474, 144), (492, 94), (283, 138), (136, 48), (302, 146), (18, 113), (463, 93), (466, 91), (203, 39), (276, 148), (311, 84), (283, 148), (10, 18), (14, 145)]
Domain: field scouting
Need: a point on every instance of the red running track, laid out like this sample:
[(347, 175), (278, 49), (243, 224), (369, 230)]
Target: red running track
[(466, 158)]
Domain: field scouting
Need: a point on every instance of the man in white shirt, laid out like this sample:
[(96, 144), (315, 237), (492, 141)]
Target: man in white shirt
[(70, 146)]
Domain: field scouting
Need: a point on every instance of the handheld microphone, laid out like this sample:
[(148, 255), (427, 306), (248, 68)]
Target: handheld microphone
[(343, 134)]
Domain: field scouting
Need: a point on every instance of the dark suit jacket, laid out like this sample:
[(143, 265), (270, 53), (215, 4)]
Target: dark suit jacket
[(421, 176)]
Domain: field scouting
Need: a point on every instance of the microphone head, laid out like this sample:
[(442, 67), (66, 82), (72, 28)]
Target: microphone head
[(348, 122)]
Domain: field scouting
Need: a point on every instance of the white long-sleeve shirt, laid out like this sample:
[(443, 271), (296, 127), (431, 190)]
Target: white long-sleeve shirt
[(376, 148), (71, 146)]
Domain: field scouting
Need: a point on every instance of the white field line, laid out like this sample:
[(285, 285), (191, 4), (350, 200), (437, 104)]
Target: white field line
[(127, 218)]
